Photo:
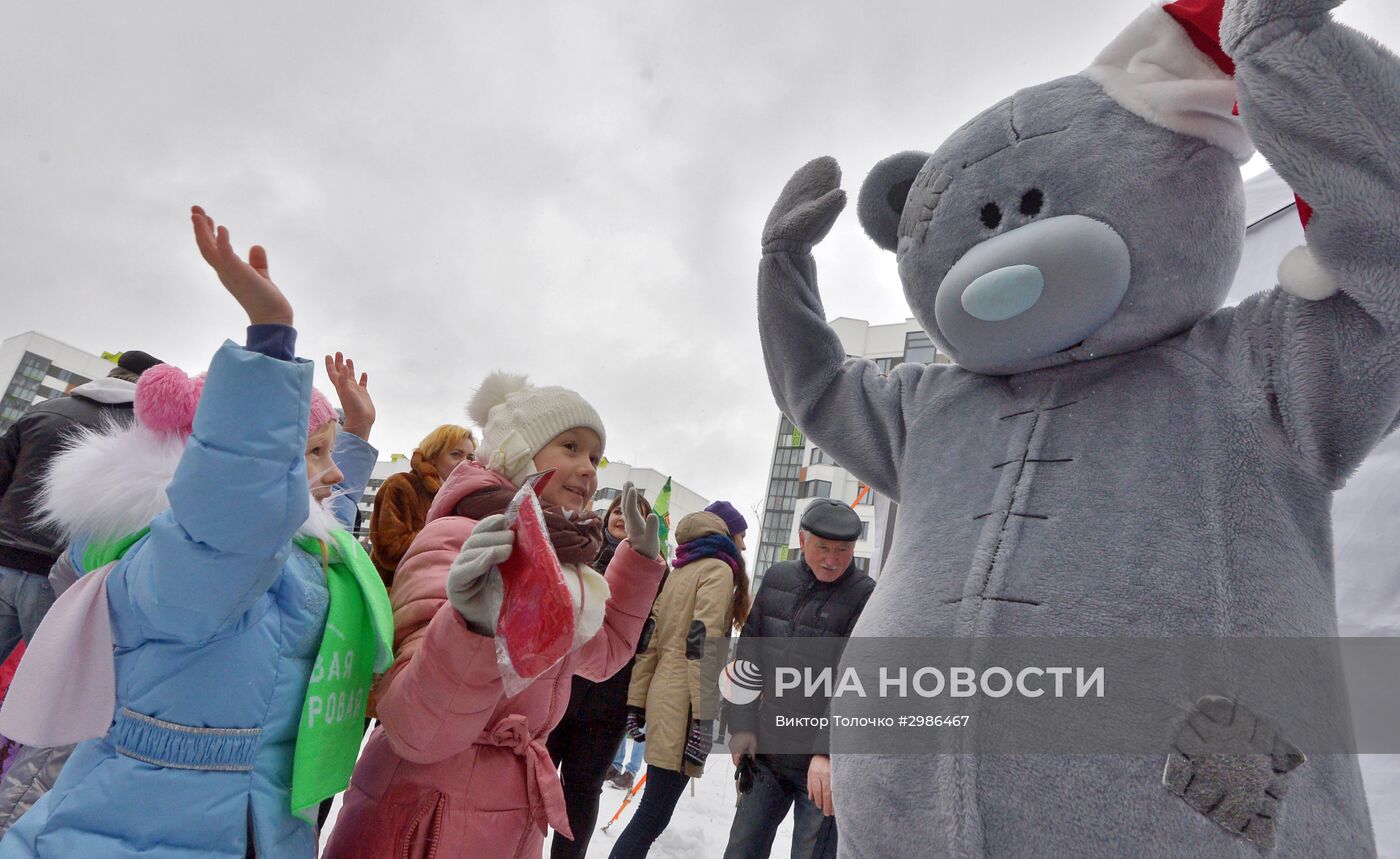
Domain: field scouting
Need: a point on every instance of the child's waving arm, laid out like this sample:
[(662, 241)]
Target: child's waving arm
[(240, 491), (354, 455)]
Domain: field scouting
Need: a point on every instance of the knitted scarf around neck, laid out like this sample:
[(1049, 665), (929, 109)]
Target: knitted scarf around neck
[(610, 544), (709, 546), (576, 540)]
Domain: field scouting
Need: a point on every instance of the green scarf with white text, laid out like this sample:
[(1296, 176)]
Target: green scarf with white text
[(356, 645)]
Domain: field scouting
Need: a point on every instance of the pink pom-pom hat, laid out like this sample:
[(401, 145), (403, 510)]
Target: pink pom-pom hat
[(166, 400), (321, 411)]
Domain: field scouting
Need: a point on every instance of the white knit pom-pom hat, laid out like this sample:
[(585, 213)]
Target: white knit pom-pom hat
[(517, 419)]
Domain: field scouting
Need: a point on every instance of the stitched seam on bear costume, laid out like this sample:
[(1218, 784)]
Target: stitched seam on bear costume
[(1014, 143), (1018, 600), (986, 573)]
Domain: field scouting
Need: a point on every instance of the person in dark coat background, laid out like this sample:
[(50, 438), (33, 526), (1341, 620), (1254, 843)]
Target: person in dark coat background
[(821, 594), (582, 745), (29, 547)]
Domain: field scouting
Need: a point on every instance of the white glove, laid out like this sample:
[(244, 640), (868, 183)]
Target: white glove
[(644, 535), (473, 583)]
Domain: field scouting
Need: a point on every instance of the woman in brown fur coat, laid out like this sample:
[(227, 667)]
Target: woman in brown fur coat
[(401, 505)]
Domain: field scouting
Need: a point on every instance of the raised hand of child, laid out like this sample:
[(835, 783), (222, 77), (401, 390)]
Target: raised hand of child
[(354, 395), (247, 281), (643, 534)]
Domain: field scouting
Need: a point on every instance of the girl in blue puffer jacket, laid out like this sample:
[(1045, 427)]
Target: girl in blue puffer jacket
[(241, 622)]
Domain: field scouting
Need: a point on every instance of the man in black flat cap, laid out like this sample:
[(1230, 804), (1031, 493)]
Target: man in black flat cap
[(821, 594)]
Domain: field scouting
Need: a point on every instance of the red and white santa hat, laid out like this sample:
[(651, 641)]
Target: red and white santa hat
[(1169, 68)]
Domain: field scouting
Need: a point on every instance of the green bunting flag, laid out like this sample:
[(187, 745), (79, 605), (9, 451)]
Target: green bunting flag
[(662, 508)]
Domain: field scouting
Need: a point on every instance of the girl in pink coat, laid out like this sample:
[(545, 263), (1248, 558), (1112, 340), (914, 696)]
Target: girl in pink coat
[(457, 767)]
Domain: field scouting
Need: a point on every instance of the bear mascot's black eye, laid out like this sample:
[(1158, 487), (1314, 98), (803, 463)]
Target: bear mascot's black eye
[(991, 215), (1032, 201)]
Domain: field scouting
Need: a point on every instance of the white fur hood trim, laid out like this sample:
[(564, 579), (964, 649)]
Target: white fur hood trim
[(110, 482)]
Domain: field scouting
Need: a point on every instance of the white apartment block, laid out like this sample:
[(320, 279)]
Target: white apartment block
[(34, 368)]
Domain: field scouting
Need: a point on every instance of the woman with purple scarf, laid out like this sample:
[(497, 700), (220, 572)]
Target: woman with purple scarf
[(675, 684)]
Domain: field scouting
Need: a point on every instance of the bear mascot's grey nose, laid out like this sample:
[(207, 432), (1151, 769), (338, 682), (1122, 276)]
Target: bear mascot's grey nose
[(1033, 290), (1004, 293)]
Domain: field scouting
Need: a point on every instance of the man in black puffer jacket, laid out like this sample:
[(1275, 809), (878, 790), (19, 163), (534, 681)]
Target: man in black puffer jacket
[(28, 548), (820, 595)]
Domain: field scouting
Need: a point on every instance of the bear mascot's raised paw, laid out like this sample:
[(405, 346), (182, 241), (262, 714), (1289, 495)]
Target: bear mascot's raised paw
[(1114, 454)]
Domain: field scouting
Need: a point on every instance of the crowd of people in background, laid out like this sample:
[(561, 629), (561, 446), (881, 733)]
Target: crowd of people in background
[(222, 643)]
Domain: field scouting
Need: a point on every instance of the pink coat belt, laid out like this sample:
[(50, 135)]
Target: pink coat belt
[(546, 796)]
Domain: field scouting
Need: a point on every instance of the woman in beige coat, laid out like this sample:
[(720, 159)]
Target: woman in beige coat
[(673, 698)]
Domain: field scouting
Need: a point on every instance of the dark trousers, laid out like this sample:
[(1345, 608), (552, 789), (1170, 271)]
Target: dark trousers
[(760, 811), (659, 798), (582, 748)]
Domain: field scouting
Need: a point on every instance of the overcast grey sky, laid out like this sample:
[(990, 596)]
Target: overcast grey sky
[(574, 191)]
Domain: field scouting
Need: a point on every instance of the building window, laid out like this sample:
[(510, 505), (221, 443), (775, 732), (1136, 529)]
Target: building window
[(864, 531), (781, 493), (789, 435), (776, 536), (821, 457), (862, 564), (919, 349), (607, 493), (815, 489), (884, 365), (776, 526)]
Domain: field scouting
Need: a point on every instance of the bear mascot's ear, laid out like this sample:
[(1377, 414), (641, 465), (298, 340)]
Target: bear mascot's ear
[(882, 196)]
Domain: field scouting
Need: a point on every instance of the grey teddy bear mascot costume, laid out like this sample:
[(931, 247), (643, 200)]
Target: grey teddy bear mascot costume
[(1114, 454)]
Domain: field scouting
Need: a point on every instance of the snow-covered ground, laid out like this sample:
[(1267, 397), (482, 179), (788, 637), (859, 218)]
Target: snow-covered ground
[(699, 829)]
